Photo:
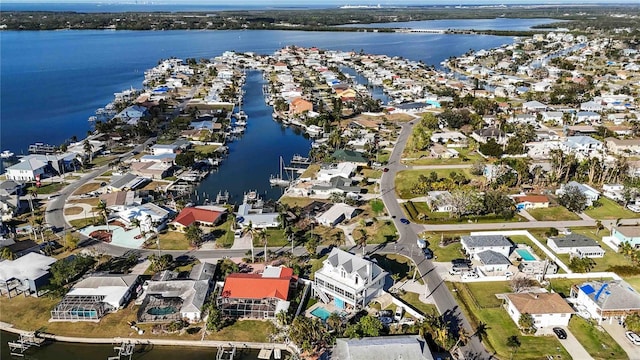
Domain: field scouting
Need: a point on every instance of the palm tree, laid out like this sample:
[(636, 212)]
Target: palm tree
[(288, 232), (395, 278), (463, 337), (362, 241), (514, 343), (136, 223), (252, 232), (88, 149), (264, 237), (481, 330), (193, 233), (7, 254), (102, 208)]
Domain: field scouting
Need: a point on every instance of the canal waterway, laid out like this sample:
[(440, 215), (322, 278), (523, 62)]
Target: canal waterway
[(64, 351), (256, 155)]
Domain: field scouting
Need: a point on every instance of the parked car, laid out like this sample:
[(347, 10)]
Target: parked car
[(560, 333), (633, 337), (470, 275), (385, 313), (385, 169), (405, 221), (428, 253), (399, 313)]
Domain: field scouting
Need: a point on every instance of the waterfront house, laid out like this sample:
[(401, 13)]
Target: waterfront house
[(600, 300), (299, 105), (330, 171), (132, 114), (472, 245), (161, 149), (590, 193), (257, 296), (337, 184), (171, 298), (25, 275), (336, 214), (347, 280), (95, 296), (405, 347), (152, 169), (547, 309), (531, 201), (342, 155), (576, 245), (199, 215), (251, 211), (440, 201)]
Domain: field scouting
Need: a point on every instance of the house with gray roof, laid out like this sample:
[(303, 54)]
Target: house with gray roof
[(348, 280), (581, 145), (127, 181), (602, 300), (405, 347), (338, 184), (25, 275), (27, 169), (576, 244), (475, 244), (95, 296), (492, 262)]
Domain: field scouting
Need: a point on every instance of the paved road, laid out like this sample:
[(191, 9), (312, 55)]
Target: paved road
[(506, 226), (406, 245)]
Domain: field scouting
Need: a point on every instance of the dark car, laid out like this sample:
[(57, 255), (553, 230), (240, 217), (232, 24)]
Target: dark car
[(560, 333), (427, 253), (385, 169), (405, 221)]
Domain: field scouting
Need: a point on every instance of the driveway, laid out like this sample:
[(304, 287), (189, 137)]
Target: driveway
[(617, 333), (571, 344)]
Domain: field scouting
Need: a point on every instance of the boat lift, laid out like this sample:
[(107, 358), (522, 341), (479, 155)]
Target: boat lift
[(24, 343), (224, 354), (124, 349)]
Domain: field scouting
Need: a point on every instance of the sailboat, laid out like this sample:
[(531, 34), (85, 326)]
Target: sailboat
[(278, 180)]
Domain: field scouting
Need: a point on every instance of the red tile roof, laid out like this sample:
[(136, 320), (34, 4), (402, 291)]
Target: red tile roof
[(254, 286), (190, 215)]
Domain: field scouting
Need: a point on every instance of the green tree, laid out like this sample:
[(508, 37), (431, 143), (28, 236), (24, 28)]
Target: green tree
[(7, 254), (160, 262), (573, 199), (215, 321), (632, 323), (377, 206), (370, 326), (71, 241), (491, 148), (514, 343), (362, 240), (193, 234), (527, 324), (65, 270), (264, 239), (185, 159)]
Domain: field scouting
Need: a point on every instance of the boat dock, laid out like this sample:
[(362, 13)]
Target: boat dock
[(124, 350), (224, 354), (24, 343), (298, 164)]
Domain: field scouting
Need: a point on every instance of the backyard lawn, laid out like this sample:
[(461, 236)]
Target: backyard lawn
[(634, 281), (379, 233), (423, 158), (599, 344), (395, 264), (413, 299), (610, 210), (555, 213), (245, 330), (426, 216)]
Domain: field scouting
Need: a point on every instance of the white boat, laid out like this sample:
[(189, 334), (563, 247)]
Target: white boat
[(241, 123), (6, 154), (278, 180)]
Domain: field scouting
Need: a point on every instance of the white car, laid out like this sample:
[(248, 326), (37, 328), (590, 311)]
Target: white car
[(634, 208), (633, 337)]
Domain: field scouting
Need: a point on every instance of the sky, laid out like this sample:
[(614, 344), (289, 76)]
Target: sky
[(336, 2)]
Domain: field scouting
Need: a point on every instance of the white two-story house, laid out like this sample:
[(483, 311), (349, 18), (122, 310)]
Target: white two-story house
[(347, 280), (547, 309), (475, 244)]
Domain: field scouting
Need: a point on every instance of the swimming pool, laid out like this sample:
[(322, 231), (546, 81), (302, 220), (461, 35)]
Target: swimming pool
[(321, 313), (525, 255)]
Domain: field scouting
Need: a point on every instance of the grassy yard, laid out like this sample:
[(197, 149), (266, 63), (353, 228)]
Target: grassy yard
[(599, 344), (205, 149), (93, 201), (484, 292), (406, 179), (610, 210), (413, 299), (275, 237), (73, 210), (634, 281), (429, 217), (154, 185), (311, 171), (31, 313), (556, 213), (173, 240), (296, 201), (499, 324), (379, 233), (371, 174), (51, 188), (330, 236), (395, 264), (80, 223), (88, 187), (423, 158), (226, 239)]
